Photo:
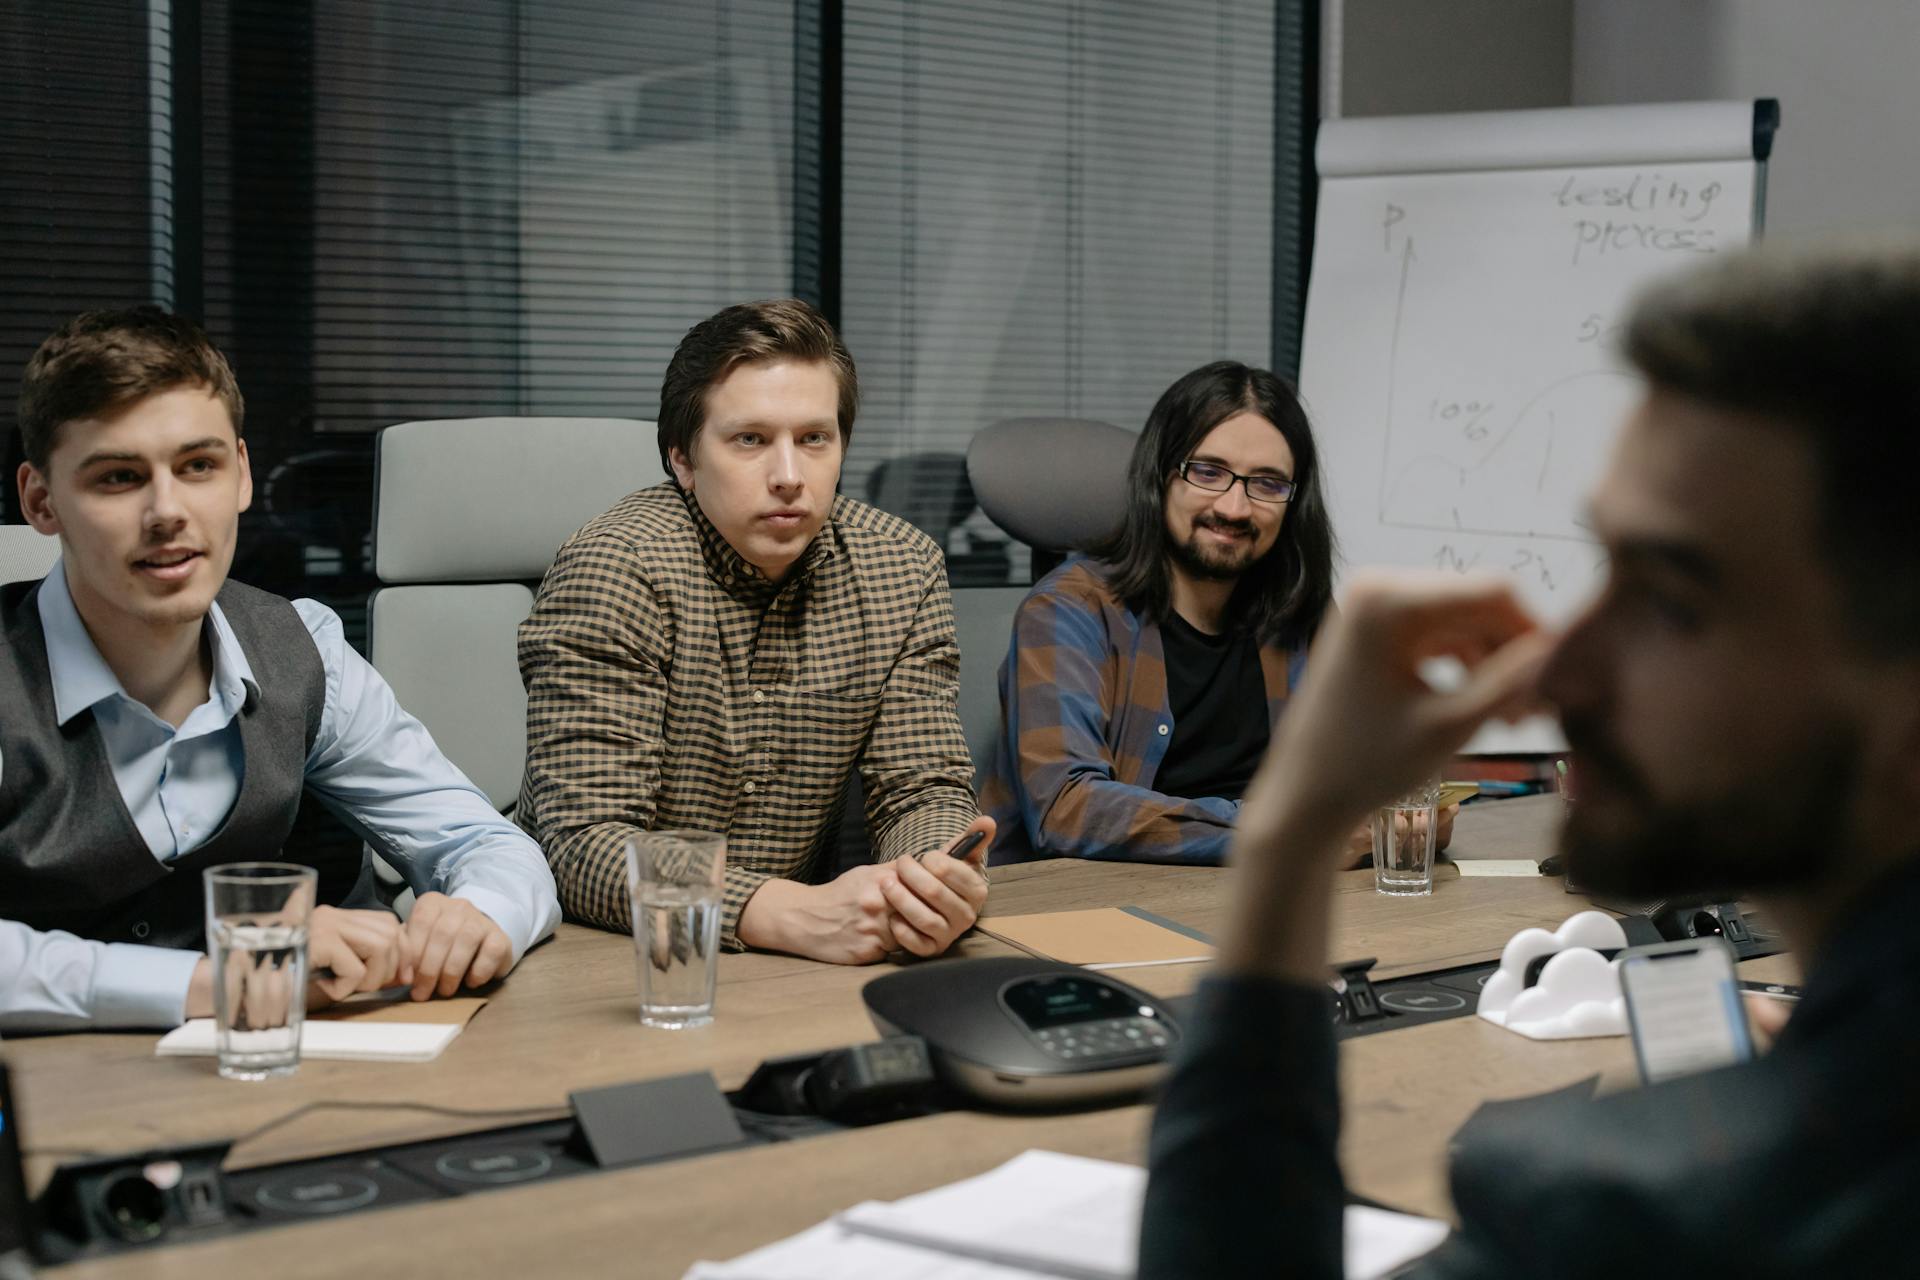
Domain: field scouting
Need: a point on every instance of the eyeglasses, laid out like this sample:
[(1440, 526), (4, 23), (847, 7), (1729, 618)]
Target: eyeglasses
[(1215, 478)]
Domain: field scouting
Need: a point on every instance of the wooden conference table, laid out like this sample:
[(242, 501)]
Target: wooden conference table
[(565, 1020)]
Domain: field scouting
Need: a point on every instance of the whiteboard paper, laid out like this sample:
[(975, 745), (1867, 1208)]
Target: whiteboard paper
[(1459, 361)]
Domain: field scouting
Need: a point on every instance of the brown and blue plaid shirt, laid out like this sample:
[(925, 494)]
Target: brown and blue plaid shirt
[(670, 685), (1084, 725)]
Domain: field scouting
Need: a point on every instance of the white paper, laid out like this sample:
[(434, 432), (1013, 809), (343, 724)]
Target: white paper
[(831, 1252), (1471, 274), (1497, 866), (351, 1041), (1041, 1214), (1065, 1215), (1377, 1241)]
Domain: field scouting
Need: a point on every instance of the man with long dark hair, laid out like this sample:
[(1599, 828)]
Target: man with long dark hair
[(1143, 682)]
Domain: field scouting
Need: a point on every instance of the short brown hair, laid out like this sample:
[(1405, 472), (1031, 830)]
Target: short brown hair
[(749, 333), (101, 361), (1824, 342)]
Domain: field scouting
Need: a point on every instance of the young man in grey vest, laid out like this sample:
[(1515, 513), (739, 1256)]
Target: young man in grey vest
[(157, 720)]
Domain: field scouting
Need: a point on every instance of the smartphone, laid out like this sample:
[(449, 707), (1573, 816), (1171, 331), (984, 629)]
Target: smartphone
[(1683, 1004)]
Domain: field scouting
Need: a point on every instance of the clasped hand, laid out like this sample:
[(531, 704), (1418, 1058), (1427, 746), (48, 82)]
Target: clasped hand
[(445, 943), (919, 905)]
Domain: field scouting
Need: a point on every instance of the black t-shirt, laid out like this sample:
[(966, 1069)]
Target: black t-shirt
[(1218, 696)]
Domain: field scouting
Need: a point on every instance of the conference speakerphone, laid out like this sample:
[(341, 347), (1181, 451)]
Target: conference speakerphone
[(1021, 1032)]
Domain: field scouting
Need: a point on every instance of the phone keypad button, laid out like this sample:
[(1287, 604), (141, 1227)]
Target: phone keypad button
[(1109, 1038)]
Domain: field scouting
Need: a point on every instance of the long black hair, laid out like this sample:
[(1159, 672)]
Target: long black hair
[(1282, 596)]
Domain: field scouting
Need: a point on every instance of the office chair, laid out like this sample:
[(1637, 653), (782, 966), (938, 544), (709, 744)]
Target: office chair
[(930, 490), (467, 516), (1056, 484), (322, 500), (25, 553)]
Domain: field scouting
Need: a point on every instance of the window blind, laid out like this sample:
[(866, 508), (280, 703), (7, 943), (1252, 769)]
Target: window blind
[(519, 208), (83, 204), (1048, 210)]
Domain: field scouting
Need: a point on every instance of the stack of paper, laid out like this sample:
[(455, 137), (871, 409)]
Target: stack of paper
[(374, 1029), (1039, 1215)]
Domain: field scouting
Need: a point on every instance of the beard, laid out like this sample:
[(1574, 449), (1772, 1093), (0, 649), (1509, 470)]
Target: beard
[(1768, 833), (1216, 563)]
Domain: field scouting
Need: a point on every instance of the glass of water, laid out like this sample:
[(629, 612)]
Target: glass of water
[(1404, 833), (675, 879), (257, 915)]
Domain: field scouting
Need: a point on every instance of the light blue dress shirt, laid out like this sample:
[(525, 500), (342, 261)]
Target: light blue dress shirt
[(372, 764)]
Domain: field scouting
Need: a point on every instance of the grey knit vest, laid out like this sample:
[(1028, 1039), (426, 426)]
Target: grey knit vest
[(70, 855)]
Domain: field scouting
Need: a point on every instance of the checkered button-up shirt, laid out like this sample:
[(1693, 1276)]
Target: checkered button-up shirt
[(670, 685)]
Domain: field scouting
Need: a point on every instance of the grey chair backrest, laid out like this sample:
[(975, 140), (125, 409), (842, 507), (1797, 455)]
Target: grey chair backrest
[(983, 622), (1056, 484), (25, 553), (467, 516)]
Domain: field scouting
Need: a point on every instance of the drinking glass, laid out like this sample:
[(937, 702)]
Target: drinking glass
[(675, 879), (1404, 834), (257, 918)]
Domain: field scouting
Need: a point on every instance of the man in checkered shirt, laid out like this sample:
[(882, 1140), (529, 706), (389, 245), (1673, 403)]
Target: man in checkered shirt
[(721, 652)]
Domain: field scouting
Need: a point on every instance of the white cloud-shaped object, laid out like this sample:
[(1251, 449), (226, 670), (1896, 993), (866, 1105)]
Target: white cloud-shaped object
[(1578, 993)]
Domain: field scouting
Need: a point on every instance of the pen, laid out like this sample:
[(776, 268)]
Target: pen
[(968, 845)]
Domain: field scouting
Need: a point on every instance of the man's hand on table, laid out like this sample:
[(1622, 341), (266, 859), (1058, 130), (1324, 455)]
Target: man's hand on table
[(937, 897), (365, 950), (1360, 846), (909, 904), (446, 943), (1360, 843), (1767, 1018), (1363, 727), (361, 950), (453, 944)]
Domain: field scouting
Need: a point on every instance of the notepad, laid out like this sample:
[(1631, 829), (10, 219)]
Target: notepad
[(370, 1030), (1101, 938), (1497, 866), (1057, 1214), (831, 1252), (1041, 1214)]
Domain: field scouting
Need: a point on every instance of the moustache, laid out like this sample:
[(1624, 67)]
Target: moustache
[(1224, 526)]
